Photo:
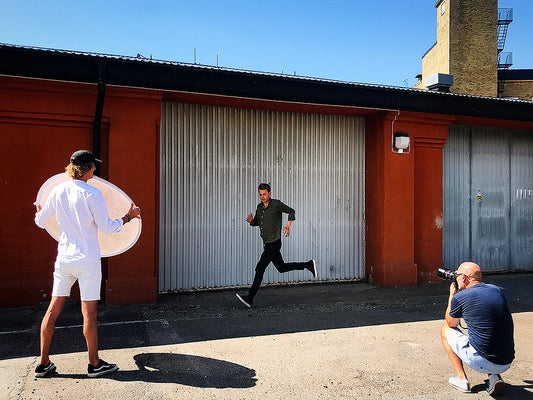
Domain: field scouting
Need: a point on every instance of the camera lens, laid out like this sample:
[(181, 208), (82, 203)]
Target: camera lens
[(446, 274)]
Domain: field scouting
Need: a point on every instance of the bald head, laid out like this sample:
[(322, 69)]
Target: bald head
[(470, 269)]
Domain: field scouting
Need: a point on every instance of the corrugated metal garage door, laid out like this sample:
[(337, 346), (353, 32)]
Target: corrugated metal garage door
[(488, 198), (213, 158)]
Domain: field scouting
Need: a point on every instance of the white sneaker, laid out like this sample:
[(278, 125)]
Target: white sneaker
[(245, 299), (312, 267), (460, 384), (496, 385)]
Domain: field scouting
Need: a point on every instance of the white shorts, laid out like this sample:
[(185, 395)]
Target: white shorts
[(89, 278), (460, 345)]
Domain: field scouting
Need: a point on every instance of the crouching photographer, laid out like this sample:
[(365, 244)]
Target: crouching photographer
[(489, 346)]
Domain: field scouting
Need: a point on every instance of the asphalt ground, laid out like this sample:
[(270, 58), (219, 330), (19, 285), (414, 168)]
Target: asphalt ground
[(313, 341)]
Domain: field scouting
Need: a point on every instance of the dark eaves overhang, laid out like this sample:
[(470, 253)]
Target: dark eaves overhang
[(82, 67), (515, 74)]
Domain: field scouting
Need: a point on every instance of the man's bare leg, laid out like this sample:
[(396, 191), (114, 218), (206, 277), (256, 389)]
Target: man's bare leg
[(48, 326), (456, 361), (89, 310)]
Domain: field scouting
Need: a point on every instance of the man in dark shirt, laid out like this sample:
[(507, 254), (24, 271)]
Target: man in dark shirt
[(268, 217), (489, 346)]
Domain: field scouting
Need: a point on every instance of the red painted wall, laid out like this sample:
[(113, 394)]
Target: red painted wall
[(133, 166), (404, 199), (389, 206), (429, 135), (41, 124)]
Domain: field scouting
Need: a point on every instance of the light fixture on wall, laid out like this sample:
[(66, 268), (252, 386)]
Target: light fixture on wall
[(401, 142)]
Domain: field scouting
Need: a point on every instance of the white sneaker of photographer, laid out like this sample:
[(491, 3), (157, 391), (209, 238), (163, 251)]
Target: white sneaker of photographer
[(496, 385), (460, 384)]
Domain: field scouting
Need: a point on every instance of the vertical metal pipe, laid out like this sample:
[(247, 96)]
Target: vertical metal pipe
[(97, 122)]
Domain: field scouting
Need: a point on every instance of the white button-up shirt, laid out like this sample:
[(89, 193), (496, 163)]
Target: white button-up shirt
[(80, 211)]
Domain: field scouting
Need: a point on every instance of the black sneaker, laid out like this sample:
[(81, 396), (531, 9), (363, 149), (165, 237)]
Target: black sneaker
[(103, 368), (312, 267), (246, 300), (42, 370), (496, 385)]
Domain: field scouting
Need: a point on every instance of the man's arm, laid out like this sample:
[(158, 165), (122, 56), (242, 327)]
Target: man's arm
[(287, 228), (100, 214), (133, 212), (284, 208), (287, 210), (451, 321), (251, 220), (43, 214)]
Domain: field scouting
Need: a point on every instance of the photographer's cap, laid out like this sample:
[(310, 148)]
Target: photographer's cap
[(82, 157)]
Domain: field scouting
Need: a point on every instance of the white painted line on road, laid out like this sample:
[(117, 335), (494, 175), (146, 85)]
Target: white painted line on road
[(15, 332), (163, 322)]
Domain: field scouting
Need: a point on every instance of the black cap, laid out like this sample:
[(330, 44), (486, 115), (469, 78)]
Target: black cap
[(82, 157)]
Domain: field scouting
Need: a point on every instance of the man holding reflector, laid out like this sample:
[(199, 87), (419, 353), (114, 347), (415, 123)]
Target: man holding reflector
[(80, 210)]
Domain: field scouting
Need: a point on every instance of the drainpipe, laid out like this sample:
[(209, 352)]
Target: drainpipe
[(97, 122)]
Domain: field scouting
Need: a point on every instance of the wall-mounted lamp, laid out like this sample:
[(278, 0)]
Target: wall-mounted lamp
[(401, 143)]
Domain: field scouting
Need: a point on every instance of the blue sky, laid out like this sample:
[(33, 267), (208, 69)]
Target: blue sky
[(379, 41)]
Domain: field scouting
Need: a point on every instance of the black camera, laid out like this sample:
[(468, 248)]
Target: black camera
[(447, 274)]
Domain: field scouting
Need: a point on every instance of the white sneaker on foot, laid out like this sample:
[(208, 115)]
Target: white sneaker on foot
[(245, 299), (496, 385), (312, 267), (460, 384)]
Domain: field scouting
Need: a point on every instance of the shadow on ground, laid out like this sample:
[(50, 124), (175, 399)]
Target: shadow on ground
[(211, 315), (183, 369), (522, 392)]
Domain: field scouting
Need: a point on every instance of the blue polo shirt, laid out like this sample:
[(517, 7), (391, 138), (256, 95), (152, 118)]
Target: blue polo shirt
[(490, 324)]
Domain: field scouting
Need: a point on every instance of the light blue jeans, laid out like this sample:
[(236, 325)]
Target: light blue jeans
[(460, 345)]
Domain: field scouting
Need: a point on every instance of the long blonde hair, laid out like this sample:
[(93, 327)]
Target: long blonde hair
[(77, 171)]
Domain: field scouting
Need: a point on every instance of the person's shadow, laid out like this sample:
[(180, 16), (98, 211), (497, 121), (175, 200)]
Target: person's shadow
[(184, 369), (518, 392)]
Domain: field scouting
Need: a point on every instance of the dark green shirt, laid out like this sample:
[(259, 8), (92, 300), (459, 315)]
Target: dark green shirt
[(269, 219)]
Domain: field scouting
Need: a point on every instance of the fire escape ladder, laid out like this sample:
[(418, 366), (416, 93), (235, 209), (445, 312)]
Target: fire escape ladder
[(505, 17)]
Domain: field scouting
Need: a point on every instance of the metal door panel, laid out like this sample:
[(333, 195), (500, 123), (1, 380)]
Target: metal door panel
[(488, 198), (211, 161), (522, 201)]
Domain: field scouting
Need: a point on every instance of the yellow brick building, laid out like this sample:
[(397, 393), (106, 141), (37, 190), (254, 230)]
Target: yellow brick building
[(467, 48)]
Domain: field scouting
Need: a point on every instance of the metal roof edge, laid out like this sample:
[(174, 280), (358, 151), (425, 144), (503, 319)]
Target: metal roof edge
[(76, 66)]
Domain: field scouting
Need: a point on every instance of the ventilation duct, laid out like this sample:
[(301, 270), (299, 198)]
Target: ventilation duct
[(439, 82)]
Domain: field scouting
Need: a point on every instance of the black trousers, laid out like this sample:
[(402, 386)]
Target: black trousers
[(271, 253)]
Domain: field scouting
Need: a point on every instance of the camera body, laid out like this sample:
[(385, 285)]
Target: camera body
[(448, 275)]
